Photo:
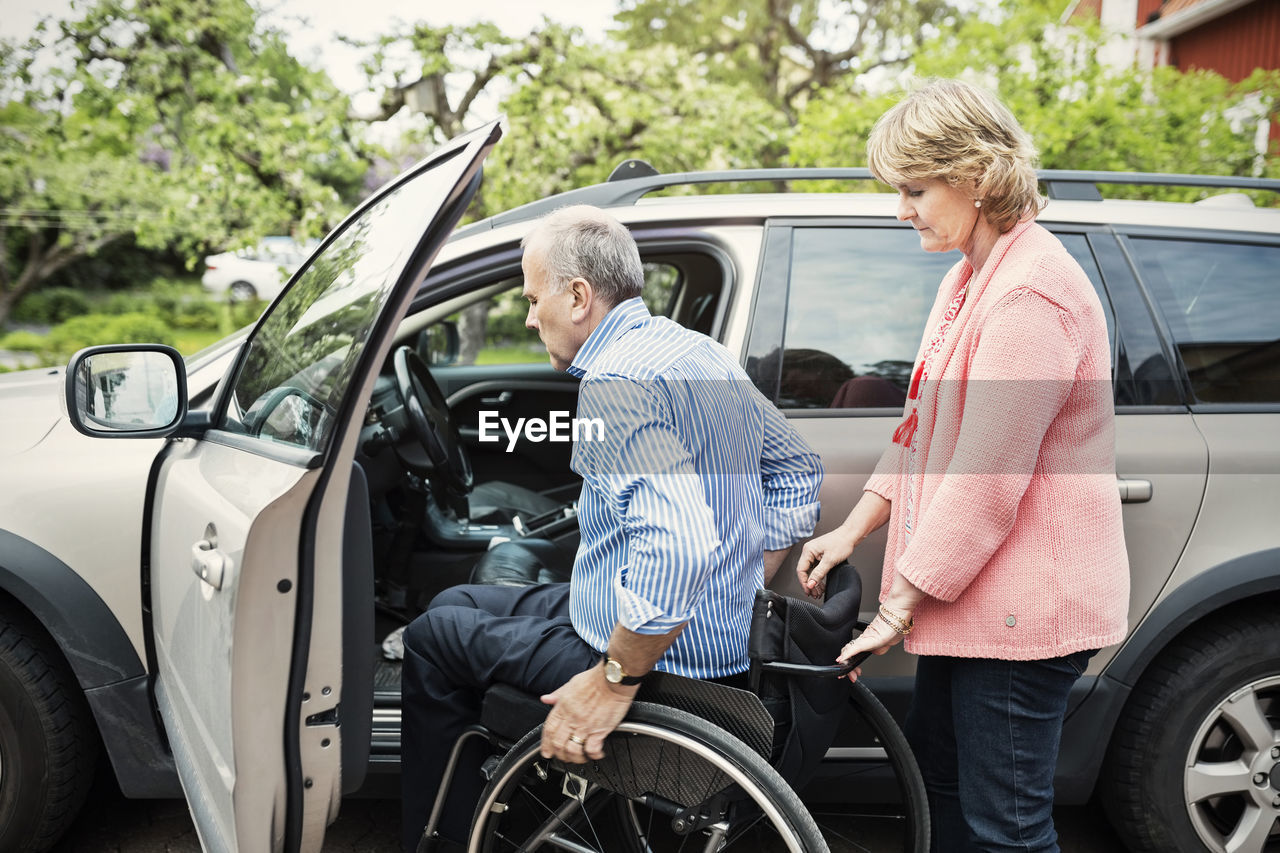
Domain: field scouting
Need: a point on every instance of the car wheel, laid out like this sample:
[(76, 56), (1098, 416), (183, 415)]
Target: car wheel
[(241, 291), (1195, 761), (48, 747)]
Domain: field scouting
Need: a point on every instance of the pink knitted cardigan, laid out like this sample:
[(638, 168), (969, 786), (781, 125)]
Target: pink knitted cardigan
[(1017, 538)]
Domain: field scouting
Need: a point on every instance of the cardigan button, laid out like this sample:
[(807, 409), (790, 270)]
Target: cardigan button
[(1011, 620)]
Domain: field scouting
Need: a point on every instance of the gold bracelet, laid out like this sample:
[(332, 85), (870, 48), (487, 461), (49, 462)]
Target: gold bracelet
[(897, 622)]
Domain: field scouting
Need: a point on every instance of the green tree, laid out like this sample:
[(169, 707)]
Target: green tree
[(1081, 113), (182, 123), (786, 50)]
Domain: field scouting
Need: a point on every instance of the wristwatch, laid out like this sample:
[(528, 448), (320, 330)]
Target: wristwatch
[(615, 674)]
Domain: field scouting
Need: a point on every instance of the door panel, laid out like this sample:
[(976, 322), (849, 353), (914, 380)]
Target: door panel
[(1168, 452), (512, 392), (248, 526), (227, 716)]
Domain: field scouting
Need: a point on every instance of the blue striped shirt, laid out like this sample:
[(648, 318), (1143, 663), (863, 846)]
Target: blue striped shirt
[(694, 475)]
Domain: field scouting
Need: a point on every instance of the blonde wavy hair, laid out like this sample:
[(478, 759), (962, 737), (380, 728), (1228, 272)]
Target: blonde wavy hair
[(964, 135)]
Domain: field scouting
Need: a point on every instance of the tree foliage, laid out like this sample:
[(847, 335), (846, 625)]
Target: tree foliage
[(183, 123), (785, 50), (186, 124), (1082, 113)]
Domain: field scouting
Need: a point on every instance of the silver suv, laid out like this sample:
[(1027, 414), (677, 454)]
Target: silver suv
[(203, 605)]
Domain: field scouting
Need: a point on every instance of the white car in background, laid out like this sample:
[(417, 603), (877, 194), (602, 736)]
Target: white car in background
[(257, 272)]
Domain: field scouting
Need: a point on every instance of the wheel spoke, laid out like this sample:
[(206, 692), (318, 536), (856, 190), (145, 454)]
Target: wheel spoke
[(1250, 835), (1217, 779), (1248, 721)]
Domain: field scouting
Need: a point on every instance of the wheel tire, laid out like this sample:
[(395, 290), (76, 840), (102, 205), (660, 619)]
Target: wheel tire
[(700, 751), (241, 291), (48, 747), (1174, 723), (915, 797)]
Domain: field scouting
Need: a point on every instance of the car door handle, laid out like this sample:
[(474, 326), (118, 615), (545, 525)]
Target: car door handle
[(500, 400), (208, 563), (1133, 491)]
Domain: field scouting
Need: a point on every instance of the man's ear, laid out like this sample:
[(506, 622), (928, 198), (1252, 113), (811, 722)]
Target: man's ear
[(584, 299)]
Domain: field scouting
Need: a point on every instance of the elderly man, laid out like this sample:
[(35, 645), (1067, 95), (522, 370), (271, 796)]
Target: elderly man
[(690, 501)]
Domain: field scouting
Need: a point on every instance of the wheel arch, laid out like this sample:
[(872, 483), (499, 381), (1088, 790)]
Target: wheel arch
[(1251, 578), (97, 650)]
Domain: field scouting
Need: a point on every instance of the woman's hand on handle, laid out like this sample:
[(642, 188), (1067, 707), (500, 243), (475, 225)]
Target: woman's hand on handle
[(894, 620), (819, 556), (877, 639)]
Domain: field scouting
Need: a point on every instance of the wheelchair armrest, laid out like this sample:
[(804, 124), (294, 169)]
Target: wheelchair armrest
[(511, 713)]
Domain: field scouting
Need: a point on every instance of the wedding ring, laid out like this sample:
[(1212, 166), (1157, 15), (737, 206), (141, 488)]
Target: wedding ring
[(579, 741)]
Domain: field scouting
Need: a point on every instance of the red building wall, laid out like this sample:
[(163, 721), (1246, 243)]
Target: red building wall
[(1234, 44)]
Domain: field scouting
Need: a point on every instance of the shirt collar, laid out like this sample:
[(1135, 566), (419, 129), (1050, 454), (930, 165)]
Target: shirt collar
[(621, 318)]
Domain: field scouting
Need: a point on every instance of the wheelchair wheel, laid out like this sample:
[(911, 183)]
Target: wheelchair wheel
[(915, 799), (668, 781)]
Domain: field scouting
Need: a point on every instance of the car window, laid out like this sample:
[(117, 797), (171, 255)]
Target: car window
[(303, 355), (1222, 306), (492, 331), (857, 303)]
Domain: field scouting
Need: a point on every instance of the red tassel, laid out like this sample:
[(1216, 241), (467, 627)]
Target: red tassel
[(914, 393), (906, 430)]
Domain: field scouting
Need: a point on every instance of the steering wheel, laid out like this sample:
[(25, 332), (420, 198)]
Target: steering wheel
[(428, 414)]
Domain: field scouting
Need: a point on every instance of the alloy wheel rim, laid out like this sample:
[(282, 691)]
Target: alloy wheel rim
[(1230, 781)]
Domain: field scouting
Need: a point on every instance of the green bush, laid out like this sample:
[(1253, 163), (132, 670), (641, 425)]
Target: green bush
[(127, 303), (23, 341), (90, 329), (50, 306), (245, 313)]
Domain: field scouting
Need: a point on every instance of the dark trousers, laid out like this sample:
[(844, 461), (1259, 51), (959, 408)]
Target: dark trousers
[(986, 734), (470, 638)]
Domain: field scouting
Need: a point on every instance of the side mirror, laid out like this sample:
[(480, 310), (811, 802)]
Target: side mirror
[(438, 343), (127, 391)]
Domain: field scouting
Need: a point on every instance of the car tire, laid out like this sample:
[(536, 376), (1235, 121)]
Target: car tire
[(48, 746), (1204, 717), (242, 291)]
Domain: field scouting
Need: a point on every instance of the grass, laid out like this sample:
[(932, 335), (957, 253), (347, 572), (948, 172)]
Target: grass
[(188, 341), (511, 355)]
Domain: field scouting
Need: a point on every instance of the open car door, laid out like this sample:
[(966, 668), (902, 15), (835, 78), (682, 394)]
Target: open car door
[(247, 526)]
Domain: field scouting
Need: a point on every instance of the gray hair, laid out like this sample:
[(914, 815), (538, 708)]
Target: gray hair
[(585, 242)]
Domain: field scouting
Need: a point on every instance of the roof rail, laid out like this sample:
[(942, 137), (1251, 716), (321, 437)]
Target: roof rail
[(1083, 186), (634, 179), (622, 192)]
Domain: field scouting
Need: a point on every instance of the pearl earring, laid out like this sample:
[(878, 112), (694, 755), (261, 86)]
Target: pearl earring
[(977, 202)]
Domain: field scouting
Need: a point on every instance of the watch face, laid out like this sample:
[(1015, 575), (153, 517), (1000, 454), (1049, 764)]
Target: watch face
[(613, 671)]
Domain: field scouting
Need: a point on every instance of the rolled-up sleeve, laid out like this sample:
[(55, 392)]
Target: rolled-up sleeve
[(791, 475)]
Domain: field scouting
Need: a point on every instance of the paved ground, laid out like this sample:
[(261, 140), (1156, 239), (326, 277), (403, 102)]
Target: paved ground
[(112, 824)]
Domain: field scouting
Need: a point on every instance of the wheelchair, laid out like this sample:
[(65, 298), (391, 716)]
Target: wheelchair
[(695, 765)]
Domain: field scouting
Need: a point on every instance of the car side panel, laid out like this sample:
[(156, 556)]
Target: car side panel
[(1166, 453), (1242, 495)]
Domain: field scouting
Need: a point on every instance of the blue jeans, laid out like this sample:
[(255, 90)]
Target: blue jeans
[(986, 733)]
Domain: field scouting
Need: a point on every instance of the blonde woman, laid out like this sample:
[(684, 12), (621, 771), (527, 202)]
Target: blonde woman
[(1005, 569)]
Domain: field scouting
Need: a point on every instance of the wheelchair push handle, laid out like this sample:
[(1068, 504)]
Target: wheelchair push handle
[(805, 670)]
